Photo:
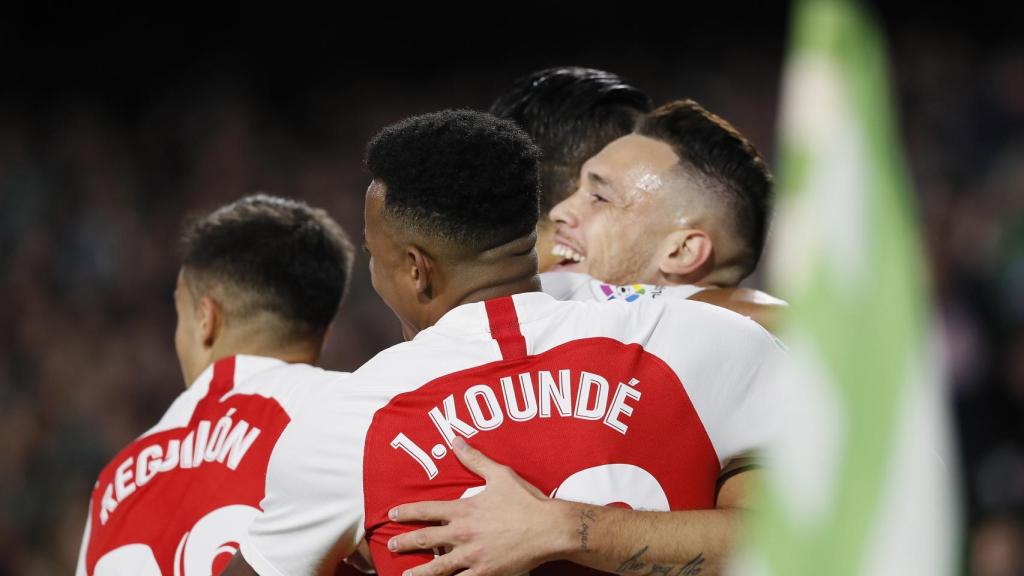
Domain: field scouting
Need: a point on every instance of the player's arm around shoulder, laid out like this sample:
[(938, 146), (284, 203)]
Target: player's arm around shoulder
[(511, 528)]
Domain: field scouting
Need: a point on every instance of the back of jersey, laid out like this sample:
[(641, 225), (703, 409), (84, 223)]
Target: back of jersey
[(177, 500), (636, 406)]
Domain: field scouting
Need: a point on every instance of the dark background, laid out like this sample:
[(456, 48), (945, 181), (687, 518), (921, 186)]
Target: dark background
[(115, 125)]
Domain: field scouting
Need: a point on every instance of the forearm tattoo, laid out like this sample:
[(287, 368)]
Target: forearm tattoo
[(636, 564), (587, 517)]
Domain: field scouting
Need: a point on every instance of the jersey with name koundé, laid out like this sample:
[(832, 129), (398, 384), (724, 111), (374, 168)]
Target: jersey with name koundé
[(635, 405)]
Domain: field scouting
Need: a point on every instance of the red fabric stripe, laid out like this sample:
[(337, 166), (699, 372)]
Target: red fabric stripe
[(221, 383), (501, 315), (223, 377)]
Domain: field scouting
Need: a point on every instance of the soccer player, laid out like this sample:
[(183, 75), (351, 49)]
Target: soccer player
[(681, 204), (260, 282), (649, 405), (683, 201), (571, 113)]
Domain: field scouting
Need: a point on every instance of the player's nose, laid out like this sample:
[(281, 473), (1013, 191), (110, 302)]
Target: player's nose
[(565, 213)]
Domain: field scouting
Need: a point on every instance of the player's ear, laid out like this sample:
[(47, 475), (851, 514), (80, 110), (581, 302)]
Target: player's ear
[(421, 271), (687, 255), (210, 321)]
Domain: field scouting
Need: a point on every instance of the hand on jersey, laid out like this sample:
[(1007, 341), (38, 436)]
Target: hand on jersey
[(498, 531)]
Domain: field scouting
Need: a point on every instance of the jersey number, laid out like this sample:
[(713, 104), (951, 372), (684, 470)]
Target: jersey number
[(203, 550)]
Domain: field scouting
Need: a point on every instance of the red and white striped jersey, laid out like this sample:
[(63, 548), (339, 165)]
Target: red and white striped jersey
[(177, 500), (639, 405)]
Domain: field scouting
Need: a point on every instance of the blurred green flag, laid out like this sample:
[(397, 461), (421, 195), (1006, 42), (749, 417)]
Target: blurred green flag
[(860, 482)]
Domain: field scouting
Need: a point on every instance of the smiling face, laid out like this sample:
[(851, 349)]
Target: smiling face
[(615, 225)]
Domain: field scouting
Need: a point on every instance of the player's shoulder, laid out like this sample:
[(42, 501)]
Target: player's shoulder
[(564, 285), (291, 385), (673, 327), (326, 409), (709, 317), (281, 377), (408, 365), (717, 331)]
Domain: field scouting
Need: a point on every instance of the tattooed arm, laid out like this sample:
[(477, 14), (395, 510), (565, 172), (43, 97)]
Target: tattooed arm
[(511, 527), (642, 543)]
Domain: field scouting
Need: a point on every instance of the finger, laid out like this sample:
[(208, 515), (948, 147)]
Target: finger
[(442, 565), (475, 460), (422, 539), (427, 511)]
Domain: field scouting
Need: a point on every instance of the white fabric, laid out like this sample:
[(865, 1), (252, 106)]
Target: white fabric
[(575, 286)]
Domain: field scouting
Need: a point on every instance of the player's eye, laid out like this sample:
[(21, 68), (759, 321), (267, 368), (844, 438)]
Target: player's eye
[(597, 198)]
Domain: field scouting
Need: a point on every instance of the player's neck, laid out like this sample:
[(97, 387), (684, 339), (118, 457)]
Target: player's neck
[(702, 280), (526, 284), (293, 352), (477, 293), (479, 289), (502, 271)]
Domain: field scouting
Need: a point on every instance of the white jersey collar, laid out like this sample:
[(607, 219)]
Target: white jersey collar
[(472, 318), (246, 366)]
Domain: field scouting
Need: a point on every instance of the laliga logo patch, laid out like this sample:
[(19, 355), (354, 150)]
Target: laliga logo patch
[(628, 293)]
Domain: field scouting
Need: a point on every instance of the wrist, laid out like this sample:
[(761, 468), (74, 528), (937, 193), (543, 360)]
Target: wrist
[(569, 537)]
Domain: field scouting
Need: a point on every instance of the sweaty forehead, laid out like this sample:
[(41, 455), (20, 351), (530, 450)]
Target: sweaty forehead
[(635, 159)]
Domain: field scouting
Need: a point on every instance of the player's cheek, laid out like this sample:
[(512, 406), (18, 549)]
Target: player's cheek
[(180, 345), (601, 248), (373, 273), (378, 279)]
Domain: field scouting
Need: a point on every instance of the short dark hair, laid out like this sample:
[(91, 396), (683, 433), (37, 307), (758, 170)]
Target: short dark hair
[(462, 176), (275, 255), (727, 161), (571, 113)]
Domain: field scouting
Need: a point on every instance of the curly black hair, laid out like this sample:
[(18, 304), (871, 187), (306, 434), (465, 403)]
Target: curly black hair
[(463, 176), (275, 255), (571, 113)]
